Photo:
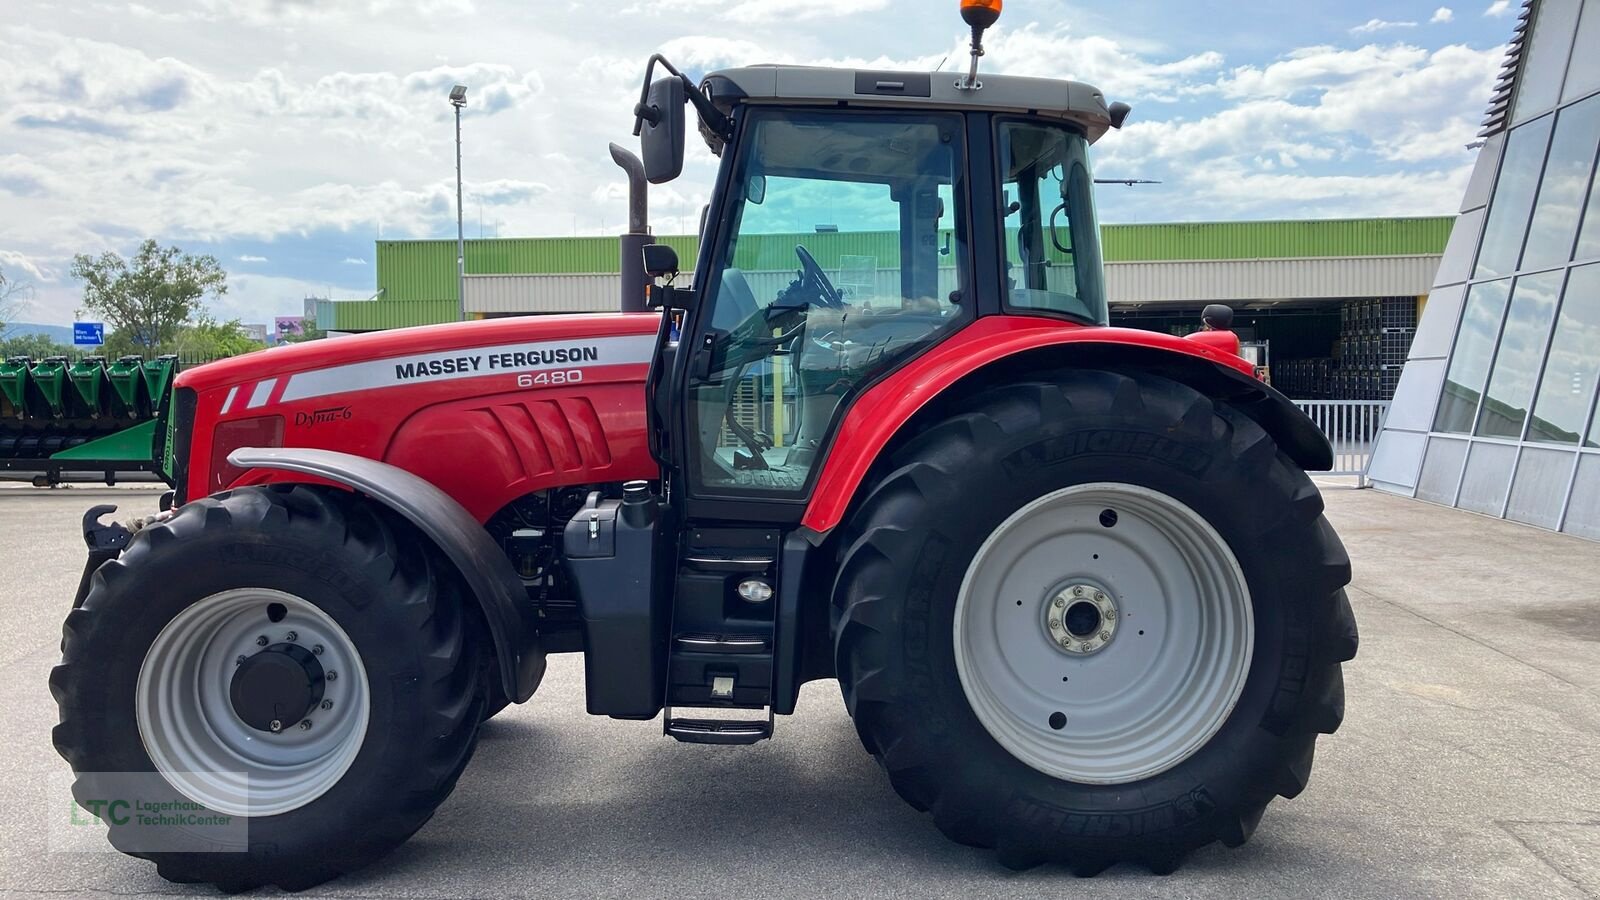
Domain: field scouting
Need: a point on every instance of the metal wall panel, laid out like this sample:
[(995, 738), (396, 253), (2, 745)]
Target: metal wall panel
[(1488, 478), (1441, 470), (1540, 486), (543, 293), (380, 315), (1583, 509), (1178, 282), (1269, 279), (1275, 240)]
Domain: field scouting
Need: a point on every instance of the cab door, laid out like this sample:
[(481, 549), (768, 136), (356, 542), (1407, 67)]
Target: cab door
[(841, 253)]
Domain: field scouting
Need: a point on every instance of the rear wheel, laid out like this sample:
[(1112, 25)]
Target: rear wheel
[(1092, 619), (289, 655)]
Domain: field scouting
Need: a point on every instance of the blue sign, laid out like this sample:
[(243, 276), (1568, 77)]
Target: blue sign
[(88, 334)]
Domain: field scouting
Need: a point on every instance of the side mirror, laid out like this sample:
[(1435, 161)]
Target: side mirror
[(1218, 316), (660, 261), (756, 189), (661, 138)]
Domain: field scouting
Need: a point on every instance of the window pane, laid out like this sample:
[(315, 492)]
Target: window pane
[(1565, 186), (1583, 75), (1469, 365), (1569, 375), (1513, 198), (1589, 238), (1539, 84), (1052, 240), (1533, 304)]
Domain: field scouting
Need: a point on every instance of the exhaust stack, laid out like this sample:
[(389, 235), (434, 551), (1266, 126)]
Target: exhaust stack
[(635, 284)]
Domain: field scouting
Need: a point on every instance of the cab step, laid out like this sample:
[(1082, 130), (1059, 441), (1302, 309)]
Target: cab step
[(718, 731)]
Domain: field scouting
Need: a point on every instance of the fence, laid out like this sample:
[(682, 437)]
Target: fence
[(1352, 428)]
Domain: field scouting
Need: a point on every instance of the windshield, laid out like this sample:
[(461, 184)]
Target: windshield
[(1052, 238)]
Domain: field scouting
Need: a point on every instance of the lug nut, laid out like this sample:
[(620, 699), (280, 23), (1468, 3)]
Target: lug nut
[(240, 660), (291, 637), (276, 726), (305, 725), (333, 675), (1077, 591), (1055, 623), (1098, 597), (1061, 603), (327, 704), (317, 649), (261, 641), (1105, 635)]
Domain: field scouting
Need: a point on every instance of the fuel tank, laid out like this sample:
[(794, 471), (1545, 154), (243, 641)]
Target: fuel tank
[(487, 411)]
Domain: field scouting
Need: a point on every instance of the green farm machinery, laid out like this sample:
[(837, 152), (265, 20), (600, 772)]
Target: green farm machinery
[(91, 416)]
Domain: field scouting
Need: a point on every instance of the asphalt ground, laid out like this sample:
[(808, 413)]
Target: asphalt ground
[(1468, 764)]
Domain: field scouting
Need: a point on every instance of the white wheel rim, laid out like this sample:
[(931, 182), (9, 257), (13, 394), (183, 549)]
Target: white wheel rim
[(200, 745), (1126, 702)]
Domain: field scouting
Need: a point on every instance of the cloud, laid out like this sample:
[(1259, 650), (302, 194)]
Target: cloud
[(755, 12), (311, 127), (1442, 15), (1372, 26), (1498, 8), (13, 262), (247, 258), (72, 121), (354, 261)]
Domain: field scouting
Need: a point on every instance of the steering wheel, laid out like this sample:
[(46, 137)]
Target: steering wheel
[(811, 271)]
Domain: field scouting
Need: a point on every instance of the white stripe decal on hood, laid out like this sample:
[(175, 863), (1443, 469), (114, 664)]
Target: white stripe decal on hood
[(470, 362)]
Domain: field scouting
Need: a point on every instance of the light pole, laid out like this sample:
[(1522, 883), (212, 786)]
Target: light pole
[(458, 99)]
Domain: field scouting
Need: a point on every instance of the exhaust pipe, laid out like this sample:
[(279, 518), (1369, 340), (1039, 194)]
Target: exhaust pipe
[(635, 284)]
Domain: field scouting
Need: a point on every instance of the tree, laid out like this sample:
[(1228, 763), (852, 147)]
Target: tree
[(13, 295), (208, 338), (153, 297), (308, 332), (34, 346)]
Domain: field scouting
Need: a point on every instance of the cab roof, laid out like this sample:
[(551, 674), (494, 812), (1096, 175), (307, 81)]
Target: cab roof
[(1073, 101)]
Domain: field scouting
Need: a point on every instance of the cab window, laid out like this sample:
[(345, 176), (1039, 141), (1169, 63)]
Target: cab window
[(844, 254), (1051, 235)]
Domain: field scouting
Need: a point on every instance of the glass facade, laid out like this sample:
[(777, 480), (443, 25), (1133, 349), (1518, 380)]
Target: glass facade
[(1512, 397)]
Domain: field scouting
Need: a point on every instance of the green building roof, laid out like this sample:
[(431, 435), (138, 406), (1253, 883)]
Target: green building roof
[(418, 278)]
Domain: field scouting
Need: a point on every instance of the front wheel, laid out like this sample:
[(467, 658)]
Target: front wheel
[(1092, 619), (290, 659)]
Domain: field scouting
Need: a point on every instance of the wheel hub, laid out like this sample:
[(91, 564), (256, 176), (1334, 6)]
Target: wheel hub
[(277, 687), (1081, 619)]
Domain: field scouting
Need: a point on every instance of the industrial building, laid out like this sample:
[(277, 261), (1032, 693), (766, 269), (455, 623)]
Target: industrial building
[(1495, 411), (1328, 307)]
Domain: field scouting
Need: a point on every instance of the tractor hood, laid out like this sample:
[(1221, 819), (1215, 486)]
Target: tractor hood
[(488, 411), (428, 346)]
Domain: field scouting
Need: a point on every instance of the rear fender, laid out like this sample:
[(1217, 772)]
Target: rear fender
[(483, 566), (895, 408)]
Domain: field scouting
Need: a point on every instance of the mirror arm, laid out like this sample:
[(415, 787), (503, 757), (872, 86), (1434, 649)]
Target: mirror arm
[(709, 114)]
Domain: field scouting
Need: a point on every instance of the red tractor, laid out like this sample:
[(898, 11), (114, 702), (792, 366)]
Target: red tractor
[(1074, 583)]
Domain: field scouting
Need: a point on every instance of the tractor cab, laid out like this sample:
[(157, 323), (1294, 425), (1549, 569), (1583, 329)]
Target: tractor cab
[(859, 218)]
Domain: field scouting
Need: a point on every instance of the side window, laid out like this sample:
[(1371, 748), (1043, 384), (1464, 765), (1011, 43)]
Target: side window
[(1052, 238), (840, 259)]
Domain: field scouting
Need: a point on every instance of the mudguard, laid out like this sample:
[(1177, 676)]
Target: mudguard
[(1021, 345), (483, 566)]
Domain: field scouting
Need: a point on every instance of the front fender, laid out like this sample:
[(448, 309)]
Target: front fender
[(483, 566), (1016, 346)]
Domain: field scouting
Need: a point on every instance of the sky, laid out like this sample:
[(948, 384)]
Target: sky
[(286, 136)]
